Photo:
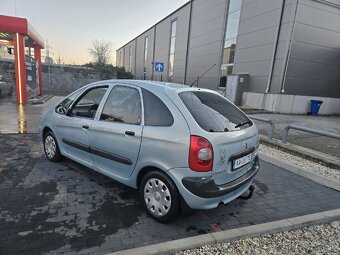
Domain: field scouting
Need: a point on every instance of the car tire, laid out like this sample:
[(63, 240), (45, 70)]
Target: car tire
[(51, 147), (159, 196)]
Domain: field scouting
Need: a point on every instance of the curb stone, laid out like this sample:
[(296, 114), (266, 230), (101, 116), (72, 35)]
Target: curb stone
[(306, 152), (304, 173), (172, 247)]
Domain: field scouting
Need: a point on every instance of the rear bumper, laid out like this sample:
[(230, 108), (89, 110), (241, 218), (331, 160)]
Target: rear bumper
[(203, 193), (206, 187)]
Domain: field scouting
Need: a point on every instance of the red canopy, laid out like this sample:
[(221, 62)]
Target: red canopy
[(19, 33), (10, 24)]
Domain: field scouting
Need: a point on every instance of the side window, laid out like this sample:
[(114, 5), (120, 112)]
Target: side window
[(63, 107), (123, 105), (88, 103), (156, 113)]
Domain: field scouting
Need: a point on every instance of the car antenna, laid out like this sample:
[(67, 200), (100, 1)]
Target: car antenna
[(201, 76)]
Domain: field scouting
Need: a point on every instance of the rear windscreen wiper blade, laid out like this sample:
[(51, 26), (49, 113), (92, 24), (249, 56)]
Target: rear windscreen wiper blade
[(243, 123)]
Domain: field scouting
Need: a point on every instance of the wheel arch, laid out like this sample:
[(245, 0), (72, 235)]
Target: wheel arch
[(45, 130), (147, 169)]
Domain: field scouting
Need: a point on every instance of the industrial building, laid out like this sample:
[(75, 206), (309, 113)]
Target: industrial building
[(279, 53)]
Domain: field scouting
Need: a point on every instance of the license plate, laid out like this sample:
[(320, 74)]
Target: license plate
[(237, 163)]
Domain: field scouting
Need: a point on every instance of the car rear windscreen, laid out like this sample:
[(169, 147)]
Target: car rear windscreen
[(214, 113)]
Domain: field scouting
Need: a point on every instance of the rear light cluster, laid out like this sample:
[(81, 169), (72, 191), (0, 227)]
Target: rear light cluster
[(201, 154)]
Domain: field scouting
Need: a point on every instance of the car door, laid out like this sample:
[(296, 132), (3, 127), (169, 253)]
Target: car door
[(73, 129), (116, 133)]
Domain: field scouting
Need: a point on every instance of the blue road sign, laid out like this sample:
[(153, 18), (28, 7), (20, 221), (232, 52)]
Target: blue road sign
[(159, 67)]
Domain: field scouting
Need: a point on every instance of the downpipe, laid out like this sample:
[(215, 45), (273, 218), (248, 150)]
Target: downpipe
[(276, 42), (249, 195)]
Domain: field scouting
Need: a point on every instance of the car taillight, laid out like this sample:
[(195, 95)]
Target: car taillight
[(201, 154)]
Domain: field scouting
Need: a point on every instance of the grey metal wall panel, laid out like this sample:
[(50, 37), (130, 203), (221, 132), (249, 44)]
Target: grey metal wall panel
[(314, 63), (182, 17), (315, 54), (309, 87), (140, 55), (318, 15), (316, 36), (255, 42), (119, 59), (126, 56), (162, 45), (207, 31)]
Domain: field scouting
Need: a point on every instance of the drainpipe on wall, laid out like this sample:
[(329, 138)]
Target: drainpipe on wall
[(135, 67), (282, 90), (153, 51), (188, 45), (124, 56), (270, 75)]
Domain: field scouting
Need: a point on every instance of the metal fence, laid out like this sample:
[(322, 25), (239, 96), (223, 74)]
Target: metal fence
[(309, 130), (270, 132)]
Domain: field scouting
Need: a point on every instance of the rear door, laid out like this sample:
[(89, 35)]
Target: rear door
[(116, 133), (231, 133)]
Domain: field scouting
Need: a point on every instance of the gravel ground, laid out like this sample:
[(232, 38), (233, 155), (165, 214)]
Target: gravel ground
[(321, 239), (305, 164)]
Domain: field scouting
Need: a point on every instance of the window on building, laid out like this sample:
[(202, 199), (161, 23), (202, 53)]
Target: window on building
[(130, 59), (172, 49), (145, 55), (121, 58), (231, 32)]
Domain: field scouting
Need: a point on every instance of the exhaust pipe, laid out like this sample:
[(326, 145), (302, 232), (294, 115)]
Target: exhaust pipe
[(250, 194)]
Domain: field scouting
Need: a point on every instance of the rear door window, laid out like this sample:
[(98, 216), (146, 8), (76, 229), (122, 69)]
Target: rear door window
[(156, 113), (123, 105), (214, 113)]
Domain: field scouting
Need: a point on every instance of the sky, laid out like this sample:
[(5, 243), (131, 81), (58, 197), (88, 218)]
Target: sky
[(70, 26)]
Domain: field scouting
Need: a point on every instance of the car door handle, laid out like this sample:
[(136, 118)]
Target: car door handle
[(131, 133), (85, 126)]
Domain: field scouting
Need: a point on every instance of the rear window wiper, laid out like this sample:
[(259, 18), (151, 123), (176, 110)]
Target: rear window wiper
[(243, 123)]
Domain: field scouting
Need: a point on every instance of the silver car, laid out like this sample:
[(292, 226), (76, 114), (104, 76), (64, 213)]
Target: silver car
[(6, 87), (180, 147)]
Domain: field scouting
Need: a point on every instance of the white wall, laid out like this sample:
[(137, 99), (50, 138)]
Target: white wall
[(290, 104)]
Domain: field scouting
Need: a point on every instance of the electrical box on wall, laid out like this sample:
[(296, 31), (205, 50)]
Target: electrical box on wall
[(236, 84)]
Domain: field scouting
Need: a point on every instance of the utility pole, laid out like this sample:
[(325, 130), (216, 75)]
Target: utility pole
[(59, 60), (48, 48)]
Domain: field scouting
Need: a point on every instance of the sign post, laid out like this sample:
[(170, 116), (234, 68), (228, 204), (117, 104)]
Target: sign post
[(159, 68)]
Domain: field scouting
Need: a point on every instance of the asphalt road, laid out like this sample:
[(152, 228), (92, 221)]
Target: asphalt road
[(67, 208)]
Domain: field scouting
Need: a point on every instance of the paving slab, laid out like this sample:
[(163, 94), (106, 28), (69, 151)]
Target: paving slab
[(57, 208), (23, 118)]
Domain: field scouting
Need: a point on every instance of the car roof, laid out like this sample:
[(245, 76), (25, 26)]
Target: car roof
[(155, 86), (158, 85)]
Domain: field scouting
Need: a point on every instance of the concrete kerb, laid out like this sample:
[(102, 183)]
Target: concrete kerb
[(306, 174), (308, 153), (234, 234)]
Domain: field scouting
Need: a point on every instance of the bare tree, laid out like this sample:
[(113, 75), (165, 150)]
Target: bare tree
[(101, 51)]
